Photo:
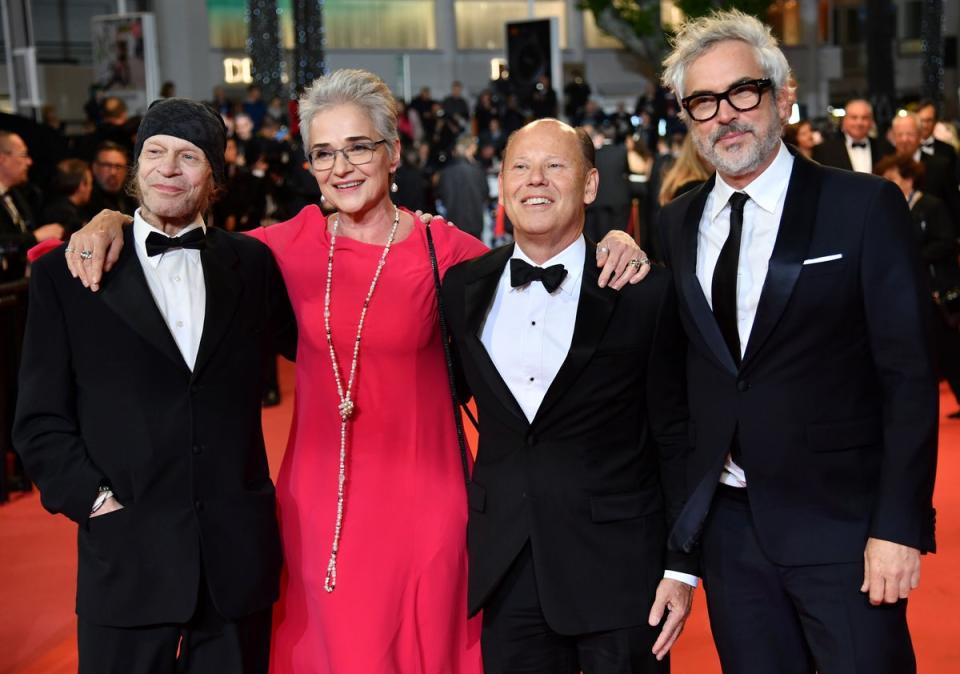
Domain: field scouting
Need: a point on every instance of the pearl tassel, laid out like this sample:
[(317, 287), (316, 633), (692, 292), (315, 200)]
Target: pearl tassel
[(346, 406)]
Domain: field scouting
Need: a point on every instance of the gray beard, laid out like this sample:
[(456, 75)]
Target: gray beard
[(749, 154)]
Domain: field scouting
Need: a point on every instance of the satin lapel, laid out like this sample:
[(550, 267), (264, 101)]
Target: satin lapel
[(690, 285), (594, 309), (224, 286), (789, 251), (478, 296), (125, 291)]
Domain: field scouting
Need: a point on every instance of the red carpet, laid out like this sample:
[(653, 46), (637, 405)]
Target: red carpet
[(38, 575)]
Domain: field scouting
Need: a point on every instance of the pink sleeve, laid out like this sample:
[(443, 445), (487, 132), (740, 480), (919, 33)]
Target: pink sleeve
[(454, 245)]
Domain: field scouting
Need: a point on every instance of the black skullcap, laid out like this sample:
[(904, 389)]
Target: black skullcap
[(188, 120)]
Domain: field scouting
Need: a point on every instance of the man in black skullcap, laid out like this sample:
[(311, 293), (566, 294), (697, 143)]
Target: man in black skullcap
[(139, 419)]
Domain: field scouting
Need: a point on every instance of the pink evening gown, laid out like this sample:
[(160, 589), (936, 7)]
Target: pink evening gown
[(399, 606)]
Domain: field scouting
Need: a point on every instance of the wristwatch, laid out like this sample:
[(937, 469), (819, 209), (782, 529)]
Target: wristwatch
[(102, 495)]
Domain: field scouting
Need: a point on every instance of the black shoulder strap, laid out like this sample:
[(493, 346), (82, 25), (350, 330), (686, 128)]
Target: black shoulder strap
[(451, 376)]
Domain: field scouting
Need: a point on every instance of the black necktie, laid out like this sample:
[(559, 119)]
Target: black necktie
[(158, 244), (859, 143), (724, 288), (522, 273)]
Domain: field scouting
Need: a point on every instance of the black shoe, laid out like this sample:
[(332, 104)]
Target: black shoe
[(271, 398), (954, 415)]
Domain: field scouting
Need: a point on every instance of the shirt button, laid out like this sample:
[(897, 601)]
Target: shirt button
[(179, 324), (533, 322), (197, 449), (743, 386), (531, 378), (177, 279)]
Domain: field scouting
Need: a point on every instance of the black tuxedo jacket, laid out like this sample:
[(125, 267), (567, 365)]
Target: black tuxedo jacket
[(592, 482), (835, 403), (105, 396), (833, 152)]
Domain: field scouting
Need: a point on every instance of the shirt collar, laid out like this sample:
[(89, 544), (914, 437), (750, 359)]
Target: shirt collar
[(571, 258), (142, 229), (928, 142), (765, 190)]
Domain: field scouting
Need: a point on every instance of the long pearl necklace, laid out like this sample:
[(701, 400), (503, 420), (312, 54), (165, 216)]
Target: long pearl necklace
[(346, 406)]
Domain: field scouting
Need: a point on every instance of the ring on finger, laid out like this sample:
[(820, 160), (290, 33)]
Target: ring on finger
[(635, 263), (602, 250), (68, 249), (86, 254), (644, 260)]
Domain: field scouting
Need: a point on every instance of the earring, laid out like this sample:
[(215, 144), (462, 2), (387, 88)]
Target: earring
[(393, 187), (322, 198)]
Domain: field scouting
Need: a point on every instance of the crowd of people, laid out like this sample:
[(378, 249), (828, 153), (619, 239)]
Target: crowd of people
[(749, 415)]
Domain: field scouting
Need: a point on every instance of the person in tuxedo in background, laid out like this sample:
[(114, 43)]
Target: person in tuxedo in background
[(853, 149), (812, 394), (72, 186), (578, 472), (18, 230), (927, 116), (939, 178), (139, 419)]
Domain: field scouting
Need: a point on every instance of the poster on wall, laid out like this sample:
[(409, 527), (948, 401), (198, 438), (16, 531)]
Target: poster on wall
[(125, 58)]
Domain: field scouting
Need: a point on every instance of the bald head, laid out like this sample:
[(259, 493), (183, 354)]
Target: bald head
[(857, 119), (587, 150)]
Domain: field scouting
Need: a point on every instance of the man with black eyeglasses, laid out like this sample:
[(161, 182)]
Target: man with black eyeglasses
[(813, 404), (110, 169)]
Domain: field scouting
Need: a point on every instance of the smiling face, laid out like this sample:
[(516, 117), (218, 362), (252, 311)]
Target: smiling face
[(545, 182), (739, 144), (174, 180), (857, 119), (348, 188)]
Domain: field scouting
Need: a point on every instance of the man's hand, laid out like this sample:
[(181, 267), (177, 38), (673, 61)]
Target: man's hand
[(890, 571), (109, 506), (622, 260), (100, 242), (427, 218), (51, 231), (676, 598)]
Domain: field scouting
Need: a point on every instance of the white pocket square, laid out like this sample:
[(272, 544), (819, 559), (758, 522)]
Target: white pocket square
[(825, 258)]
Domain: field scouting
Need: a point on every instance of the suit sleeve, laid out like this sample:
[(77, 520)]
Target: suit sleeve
[(898, 318), (449, 291), (283, 321), (46, 431), (669, 417)]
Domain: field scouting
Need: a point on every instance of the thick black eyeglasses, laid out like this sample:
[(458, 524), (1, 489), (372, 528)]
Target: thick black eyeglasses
[(743, 97), (358, 154)]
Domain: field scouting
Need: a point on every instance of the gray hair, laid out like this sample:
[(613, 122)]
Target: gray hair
[(355, 87), (697, 36)]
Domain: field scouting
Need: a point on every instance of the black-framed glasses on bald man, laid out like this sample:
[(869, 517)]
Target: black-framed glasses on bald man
[(358, 154), (742, 97)]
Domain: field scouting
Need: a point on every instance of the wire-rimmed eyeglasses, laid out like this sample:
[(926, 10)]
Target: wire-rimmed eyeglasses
[(358, 154), (743, 97)]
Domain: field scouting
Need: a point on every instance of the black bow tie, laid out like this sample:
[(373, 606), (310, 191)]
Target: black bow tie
[(522, 273), (859, 143), (157, 243)]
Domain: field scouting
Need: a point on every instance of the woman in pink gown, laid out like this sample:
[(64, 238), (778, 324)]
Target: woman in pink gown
[(397, 602)]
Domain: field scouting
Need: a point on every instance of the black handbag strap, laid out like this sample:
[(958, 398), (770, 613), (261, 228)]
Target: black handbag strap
[(451, 376)]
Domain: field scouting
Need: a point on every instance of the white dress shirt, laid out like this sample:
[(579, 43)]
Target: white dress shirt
[(861, 158), (761, 223), (527, 333), (176, 282)]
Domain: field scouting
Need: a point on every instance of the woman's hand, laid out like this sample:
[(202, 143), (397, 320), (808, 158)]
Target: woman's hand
[(94, 249), (622, 260)]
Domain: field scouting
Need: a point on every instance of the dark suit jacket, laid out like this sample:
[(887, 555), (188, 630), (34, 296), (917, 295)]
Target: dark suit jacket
[(106, 396), (14, 242), (835, 403), (940, 180), (584, 483), (833, 151)]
